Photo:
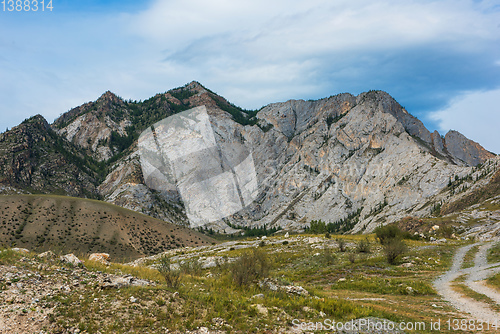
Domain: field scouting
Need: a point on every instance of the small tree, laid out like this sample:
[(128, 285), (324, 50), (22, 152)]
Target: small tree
[(386, 233), (172, 277), (327, 257), (191, 267), (351, 257)]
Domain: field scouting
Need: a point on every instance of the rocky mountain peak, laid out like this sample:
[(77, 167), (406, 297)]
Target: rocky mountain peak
[(31, 129), (109, 97), (195, 86), (465, 149), (38, 119)]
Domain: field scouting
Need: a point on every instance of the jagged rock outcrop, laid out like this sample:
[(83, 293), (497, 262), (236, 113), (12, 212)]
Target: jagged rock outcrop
[(465, 150)]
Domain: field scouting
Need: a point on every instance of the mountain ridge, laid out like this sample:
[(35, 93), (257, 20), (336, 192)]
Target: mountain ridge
[(308, 154)]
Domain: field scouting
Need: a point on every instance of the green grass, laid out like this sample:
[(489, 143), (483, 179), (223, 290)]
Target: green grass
[(397, 293), (494, 281), (469, 257), (494, 253), (119, 269), (9, 257)]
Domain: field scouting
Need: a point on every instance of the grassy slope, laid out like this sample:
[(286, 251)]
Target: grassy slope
[(340, 291), (43, 222)]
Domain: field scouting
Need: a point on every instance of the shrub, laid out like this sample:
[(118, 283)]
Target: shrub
[(327, 257), (393, 249), (351, 257), (363, 246), (172, 277), (445, 231), (388, 232), (249, 267), (191, 267), (342, 244)]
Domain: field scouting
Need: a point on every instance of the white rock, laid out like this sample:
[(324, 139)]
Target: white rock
[(20, 250), (47, 255), (100, 257), (71, 259)]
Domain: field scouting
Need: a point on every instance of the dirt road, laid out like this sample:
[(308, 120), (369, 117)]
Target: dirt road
[(475, 280)]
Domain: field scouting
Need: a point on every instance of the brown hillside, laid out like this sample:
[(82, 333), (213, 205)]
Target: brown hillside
[(68, 224)]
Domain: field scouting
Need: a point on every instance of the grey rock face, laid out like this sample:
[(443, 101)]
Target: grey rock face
[(466, 150), (438, 143), (353, 161), (357, 162)]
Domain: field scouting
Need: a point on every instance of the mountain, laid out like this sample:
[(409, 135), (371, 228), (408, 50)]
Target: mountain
[(35, 159), (353, 161)]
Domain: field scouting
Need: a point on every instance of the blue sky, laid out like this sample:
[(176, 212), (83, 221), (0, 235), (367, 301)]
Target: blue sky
[(439, 59)]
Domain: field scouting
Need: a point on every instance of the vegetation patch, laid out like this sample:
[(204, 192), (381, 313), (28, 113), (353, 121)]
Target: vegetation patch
[(494, 253)]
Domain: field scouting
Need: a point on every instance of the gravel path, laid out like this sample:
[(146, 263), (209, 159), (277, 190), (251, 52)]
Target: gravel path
[(481, 271), (475, 281)]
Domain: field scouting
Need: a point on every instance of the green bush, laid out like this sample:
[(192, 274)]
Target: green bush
[(388, 232), (363, 246), (251, 266), (342, 244), (191, 267), (393, 249), (351, 257), (327, 257)]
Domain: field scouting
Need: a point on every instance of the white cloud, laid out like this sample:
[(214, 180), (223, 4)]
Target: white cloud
[(314, 26), (474, 114), (287, 46)]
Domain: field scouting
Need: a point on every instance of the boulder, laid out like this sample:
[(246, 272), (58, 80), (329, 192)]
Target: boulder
[(272, 285), (114, 281), (100, 257), (47, 255), (20, 250), (71, 259)]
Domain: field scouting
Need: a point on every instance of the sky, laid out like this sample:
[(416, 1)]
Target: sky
[(440, 59)]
